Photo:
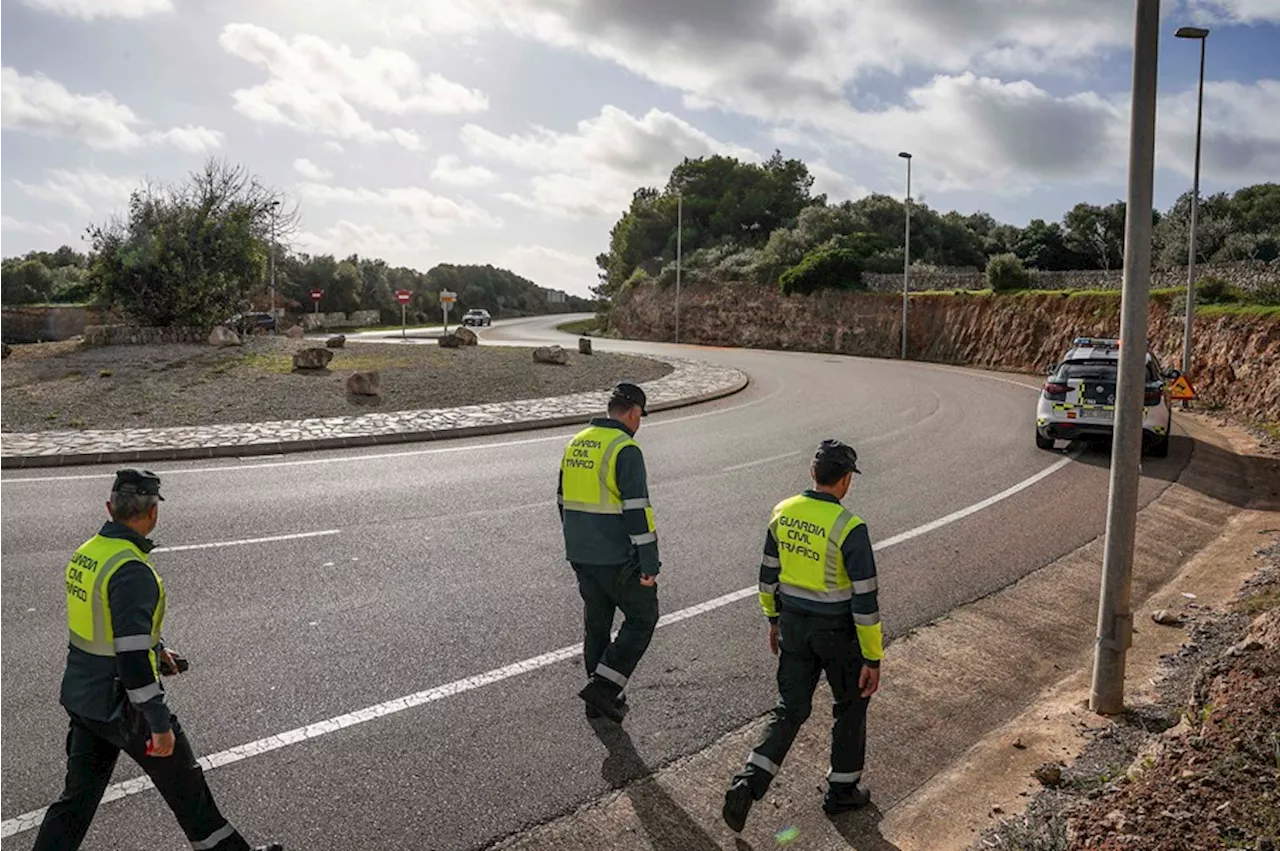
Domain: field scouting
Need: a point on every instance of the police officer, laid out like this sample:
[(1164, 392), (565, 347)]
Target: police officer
[(112, 689), (609, 539), (818, 590)]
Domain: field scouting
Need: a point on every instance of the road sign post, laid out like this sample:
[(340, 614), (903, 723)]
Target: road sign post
[(1115, 615), (403, 297), (316, 295), (446, 301)]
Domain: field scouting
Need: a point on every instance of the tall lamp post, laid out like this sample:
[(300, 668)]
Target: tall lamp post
[(679, 252), (906, 257), (1203, 35), (275, 205)]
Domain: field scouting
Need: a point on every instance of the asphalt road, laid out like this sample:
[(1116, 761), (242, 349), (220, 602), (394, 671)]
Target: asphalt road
[(440, 562)]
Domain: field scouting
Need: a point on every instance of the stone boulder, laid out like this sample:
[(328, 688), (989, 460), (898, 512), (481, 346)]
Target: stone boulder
[(223, 336), (550, 354), (312, 359), (448, 341), (466, 336), (364, 383), (336, 342), (584, 346), (296, 332)]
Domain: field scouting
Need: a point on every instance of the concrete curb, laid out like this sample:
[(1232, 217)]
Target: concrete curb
[(178, 453)]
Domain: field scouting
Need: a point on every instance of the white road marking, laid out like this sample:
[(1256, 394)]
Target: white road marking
[(217, 544), (757, 463), (381, 455), (31, 820)]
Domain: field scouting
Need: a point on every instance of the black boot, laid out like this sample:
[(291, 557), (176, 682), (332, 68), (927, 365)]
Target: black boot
[(842, 800), (270, 846), (737, 805), (621, 700), (604, 700)]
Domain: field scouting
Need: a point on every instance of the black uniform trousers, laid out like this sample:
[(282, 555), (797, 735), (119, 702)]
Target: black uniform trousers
[(605, 590), (92, 750), (810, 645)]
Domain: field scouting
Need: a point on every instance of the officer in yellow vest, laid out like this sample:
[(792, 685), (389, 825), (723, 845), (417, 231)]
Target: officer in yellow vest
[(609, 539), (111, 687), (818, 590)]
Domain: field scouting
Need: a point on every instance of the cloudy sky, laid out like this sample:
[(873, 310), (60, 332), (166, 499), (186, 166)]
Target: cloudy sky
[(514, 131)]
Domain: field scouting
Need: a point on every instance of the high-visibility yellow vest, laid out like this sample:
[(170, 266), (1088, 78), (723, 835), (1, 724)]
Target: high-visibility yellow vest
[(88, 606), (590, 480), (810, 533)]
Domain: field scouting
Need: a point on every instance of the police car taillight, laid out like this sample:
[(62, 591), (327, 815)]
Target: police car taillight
[(1055, 392)]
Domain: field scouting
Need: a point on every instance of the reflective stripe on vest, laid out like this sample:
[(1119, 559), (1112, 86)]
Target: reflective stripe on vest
[(590, 468), (88, 604), (810, 533)]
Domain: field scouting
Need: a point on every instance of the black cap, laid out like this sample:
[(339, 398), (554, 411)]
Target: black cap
[(632, 394), (140, 482), (837, 454)]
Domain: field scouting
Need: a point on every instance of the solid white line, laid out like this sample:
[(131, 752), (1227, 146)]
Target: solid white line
[(757, 463), (349, 459), (31, 820), (267, 540)]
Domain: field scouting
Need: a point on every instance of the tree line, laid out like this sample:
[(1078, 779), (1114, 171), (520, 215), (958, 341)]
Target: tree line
[(198, 251), (761, 222)]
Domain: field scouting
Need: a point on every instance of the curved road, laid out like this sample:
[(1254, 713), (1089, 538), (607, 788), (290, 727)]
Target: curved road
[(408, 571)]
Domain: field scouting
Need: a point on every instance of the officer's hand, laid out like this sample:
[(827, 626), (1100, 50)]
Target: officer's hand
[(869, 680), (648, 581), (773, 638), (161, 744), (169, 663)]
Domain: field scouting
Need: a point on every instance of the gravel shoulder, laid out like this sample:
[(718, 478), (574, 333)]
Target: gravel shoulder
[(60, 386)]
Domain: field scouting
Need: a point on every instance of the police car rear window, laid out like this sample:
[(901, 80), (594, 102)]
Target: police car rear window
[(1088, 369)]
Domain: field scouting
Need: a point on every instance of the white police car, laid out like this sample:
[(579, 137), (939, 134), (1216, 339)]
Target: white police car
[(1078, 401)]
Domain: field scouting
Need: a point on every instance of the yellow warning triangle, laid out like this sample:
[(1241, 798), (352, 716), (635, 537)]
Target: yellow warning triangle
[(1181, 389)]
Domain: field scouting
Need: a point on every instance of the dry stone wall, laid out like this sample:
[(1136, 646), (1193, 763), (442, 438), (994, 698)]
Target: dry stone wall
[(132, 335), (1250, 276)]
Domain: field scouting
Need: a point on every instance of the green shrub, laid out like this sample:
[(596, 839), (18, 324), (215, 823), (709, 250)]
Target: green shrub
[(1005, 272), (823, 268), (1214, 290)]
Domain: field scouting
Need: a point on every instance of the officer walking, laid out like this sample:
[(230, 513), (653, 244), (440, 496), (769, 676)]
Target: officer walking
[(818, 590), (609, 539), (111, 688)]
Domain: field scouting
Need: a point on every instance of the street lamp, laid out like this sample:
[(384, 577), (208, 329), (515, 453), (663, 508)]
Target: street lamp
[(275, 205), (906, 256), (679, 252), (1203, 35)]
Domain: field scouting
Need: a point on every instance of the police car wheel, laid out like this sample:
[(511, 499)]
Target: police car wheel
[(1043, 442)]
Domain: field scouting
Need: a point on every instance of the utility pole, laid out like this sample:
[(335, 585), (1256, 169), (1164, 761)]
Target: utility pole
[(1203, 35), (679, 252), (906, 257), (1115, 616), (275, 320)]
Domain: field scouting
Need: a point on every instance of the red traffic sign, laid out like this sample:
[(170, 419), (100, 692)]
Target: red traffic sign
[(316, 295), (403, 296)]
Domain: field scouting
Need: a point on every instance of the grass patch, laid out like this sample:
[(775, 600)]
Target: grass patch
[(1259, 603), (363, 328), (580, 326), (1238, 309)]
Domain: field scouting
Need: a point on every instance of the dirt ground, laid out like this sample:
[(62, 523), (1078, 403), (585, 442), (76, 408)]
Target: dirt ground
[(58, 386), (1199, 768)]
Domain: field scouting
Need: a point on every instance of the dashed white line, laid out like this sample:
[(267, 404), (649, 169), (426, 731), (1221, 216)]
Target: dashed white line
[(31, 820), (213, 545), (760, 461)]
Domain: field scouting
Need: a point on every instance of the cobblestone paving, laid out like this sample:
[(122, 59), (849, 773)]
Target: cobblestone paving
[(690, 382)]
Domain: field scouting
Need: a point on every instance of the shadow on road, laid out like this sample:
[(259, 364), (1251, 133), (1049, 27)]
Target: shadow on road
[(861, 829), (669, 826), (1245, 481)]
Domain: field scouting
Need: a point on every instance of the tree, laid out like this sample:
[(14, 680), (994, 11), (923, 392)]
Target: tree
[(1096, 234), (1005, 272), (25, 281), (1043, 245), (829, 267), (190, 253)]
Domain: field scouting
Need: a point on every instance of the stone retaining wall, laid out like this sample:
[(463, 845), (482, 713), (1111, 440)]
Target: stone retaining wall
[(132, 335), (1251, 275), (45, 324)]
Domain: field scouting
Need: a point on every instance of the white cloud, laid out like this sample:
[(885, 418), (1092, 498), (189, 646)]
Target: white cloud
[(1241, 139), (336, 147), (430, 212), (58, 230), (833, 183), (1235, 11), (310, 170), (551, 268), (316, 87), (87, 191), (89, 10), (595, 170), (451, 170), (347, 238), (44, 107)]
